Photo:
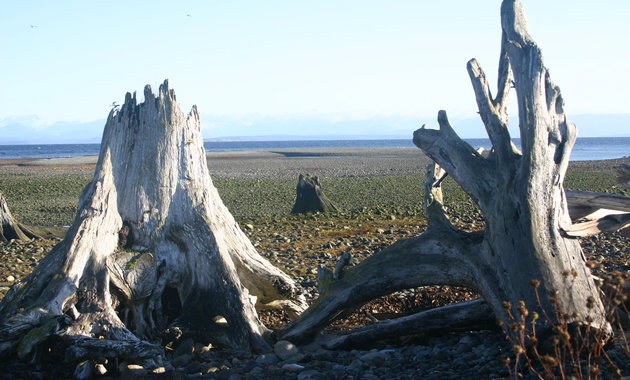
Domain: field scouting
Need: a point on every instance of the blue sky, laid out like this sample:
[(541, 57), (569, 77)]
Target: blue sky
[(310, 60)]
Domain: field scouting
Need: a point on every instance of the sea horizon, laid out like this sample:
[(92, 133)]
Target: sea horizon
[(585, 149)]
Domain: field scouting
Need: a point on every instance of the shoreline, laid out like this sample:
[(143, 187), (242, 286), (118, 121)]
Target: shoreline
[(268, 154), (585, 148), (274, 163)]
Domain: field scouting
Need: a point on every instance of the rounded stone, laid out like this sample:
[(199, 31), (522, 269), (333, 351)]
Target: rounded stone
[(285, 350), (267, 359)]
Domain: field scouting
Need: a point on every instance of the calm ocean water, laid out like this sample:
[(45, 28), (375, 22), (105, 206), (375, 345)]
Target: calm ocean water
[(586, 149)]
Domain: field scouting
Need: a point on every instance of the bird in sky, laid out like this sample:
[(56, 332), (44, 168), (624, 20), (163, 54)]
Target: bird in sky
[(33, 26), (188, 14)]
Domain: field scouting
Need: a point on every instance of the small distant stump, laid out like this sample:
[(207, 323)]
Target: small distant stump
[(310, 197)]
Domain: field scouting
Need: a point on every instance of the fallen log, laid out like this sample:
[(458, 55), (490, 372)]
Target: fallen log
[(463, 316), (594, 213), (588, 200), (608, 223)]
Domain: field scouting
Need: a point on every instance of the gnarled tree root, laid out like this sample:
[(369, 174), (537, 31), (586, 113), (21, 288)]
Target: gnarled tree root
[(519, 193)]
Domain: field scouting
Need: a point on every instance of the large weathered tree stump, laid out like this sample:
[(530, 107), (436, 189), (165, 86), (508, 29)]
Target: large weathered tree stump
[(152, 248), (11, 229), (310, 196), (520, 195)]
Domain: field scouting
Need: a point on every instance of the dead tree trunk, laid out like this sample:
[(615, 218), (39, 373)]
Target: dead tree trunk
[(152, 248), (519, 194), (310, 197), (10, 229)]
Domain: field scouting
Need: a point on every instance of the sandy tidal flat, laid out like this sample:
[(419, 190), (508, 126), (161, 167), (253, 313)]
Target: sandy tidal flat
[(280, 163)]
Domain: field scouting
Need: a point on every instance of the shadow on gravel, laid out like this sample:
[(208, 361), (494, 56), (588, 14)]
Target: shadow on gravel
[(312, 154)]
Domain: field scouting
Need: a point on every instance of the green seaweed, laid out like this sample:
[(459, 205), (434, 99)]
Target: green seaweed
[(51, 199)]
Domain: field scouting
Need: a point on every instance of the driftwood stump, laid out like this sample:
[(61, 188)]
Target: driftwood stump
[(152, 251), (10, 229), (310, 197), (520, 196)]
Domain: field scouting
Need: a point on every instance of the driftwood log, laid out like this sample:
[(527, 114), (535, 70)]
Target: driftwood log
[(309, 196), (11, 229), (597, 212), (152, 250), (593, 213), (520, 195)]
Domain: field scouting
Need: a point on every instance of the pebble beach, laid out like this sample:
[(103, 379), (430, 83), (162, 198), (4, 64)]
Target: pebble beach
[(378, 192)]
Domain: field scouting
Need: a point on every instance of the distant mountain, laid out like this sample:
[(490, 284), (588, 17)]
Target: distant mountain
[(21, 132), (30, 130)]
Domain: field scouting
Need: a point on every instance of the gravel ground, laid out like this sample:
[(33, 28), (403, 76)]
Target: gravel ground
[(287, 163), (280, 163), (298, 245), (326, 163)]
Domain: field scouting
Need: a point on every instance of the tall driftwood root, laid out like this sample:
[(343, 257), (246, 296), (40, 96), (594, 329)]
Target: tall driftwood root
[(519, 193)]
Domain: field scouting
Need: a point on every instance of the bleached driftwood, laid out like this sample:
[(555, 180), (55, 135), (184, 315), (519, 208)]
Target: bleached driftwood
[(608, 223), (597, 213), (152, 248), (593, 213), (520, 195), (593, 201)]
